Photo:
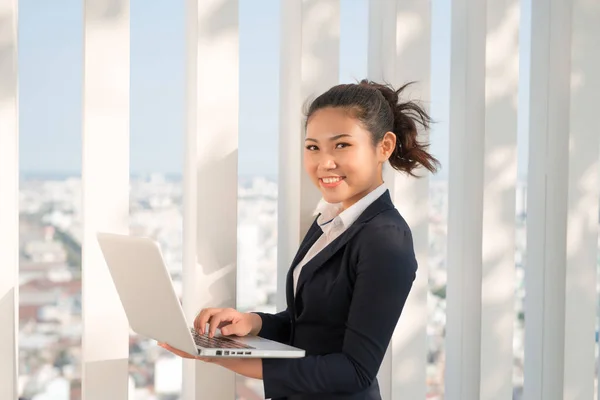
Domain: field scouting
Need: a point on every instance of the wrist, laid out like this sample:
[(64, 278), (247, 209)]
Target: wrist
[(255, 322)]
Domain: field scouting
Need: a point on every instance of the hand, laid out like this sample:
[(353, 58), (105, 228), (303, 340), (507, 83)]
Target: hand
[(230, 321), (183, 354), (250, 367)]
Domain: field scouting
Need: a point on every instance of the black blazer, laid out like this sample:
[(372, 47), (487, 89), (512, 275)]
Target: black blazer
[(349, 298)]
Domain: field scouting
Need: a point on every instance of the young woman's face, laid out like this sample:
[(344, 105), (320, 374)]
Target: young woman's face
[(340, 158)]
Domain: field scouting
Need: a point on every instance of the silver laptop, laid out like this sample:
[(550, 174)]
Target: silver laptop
[(143, 283)]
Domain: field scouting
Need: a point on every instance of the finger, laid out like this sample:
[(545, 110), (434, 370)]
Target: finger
[(223, 318), (198, 325), (223, 324), (214, 323), (203, 318), (231, 329)]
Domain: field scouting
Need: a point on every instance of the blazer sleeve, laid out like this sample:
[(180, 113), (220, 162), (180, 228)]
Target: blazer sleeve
[(277, 327), (385, 271)]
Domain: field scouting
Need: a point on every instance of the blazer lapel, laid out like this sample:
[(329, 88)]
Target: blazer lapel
[(383, 203), (311, 237), (318, 260)]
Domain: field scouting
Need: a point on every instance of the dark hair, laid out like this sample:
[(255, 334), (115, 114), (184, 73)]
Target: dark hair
[(376, 106)]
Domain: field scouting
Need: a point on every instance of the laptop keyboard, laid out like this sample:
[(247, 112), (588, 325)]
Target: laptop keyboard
[(221, 342)]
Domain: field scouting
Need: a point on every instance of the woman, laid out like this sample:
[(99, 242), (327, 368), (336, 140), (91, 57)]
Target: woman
[(354, 269)]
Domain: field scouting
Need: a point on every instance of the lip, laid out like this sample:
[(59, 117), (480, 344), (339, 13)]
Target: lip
[(331, 185)]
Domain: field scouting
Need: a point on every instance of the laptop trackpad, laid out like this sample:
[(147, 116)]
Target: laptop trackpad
[(262, 344)]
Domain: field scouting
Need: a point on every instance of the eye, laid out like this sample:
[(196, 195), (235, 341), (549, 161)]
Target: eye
[(311, 147), (341, 145)]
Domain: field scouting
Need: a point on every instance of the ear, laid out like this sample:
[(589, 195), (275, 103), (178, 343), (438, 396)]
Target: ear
[(387, 146)]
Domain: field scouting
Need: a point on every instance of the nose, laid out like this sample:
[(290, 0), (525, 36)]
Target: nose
[(327, 163)]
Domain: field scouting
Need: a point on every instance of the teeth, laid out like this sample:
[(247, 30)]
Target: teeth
[(331, 180)]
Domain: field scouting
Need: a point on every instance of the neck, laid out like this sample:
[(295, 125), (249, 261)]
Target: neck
[(351, 201)]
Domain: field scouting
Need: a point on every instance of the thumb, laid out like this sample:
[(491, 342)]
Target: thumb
[(231, 329)]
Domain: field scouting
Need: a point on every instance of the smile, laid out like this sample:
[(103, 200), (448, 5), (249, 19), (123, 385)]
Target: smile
[(331, 181)]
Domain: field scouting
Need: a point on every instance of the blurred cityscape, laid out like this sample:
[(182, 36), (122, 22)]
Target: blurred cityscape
[(50, 281)]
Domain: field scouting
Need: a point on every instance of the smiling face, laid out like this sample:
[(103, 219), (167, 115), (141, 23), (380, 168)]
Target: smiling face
[(340, 157)]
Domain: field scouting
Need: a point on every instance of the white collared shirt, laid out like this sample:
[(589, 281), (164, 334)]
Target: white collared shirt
[(333, 222)]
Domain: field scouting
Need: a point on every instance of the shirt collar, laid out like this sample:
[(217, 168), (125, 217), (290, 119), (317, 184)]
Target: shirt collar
[(332, 214)]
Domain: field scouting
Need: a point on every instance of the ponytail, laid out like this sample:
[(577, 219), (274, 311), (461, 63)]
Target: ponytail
[(378, 108)]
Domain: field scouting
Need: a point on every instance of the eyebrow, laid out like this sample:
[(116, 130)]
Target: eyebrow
[(336, 137)]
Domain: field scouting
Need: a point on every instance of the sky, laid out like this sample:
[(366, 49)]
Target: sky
[(50, 78)]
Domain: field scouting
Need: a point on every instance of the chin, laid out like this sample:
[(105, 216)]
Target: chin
[(333, 198)]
